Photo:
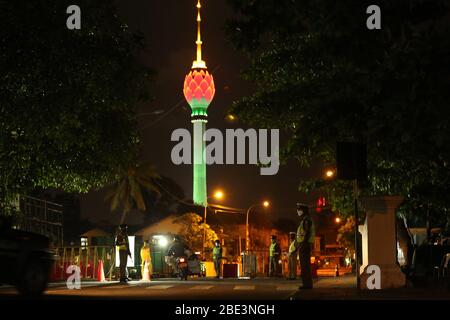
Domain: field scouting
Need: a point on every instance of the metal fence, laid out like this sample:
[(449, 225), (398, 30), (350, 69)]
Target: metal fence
[(41, 217), (87, 259), (256, 263)]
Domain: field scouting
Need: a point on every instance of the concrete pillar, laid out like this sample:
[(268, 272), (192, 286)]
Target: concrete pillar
[(379, 241)]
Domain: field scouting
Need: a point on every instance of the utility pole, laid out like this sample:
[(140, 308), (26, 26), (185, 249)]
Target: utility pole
[(204, 230), (355, 195)]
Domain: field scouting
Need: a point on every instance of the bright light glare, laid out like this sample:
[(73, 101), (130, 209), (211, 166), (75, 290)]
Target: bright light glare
[(338, 220), (329, 173), (266, 204), (218, 195), (162, 242)]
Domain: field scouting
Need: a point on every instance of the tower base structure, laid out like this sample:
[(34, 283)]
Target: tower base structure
[(379, 242)]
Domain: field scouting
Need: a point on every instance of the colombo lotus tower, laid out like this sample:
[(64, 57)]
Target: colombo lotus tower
[(199, 91)]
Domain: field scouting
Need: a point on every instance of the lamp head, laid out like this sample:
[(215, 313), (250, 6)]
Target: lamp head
[(219, 195)]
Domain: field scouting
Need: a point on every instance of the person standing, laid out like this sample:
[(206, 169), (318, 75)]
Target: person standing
[(274, 255), (217, 257), (146, 259), (292, 264), (124, 251), (305, 240)]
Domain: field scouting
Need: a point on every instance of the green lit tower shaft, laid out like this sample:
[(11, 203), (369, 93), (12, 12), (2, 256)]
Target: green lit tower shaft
[(199, 165), (199, 91)]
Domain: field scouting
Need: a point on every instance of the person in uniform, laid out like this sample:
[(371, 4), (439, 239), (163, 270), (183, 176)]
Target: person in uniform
[(292, 256), (217, 257), (124, 251), (305, 240), (146, 259), (274, 256)]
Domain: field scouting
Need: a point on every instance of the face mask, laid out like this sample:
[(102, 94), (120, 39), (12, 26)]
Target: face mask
[(299, 212)]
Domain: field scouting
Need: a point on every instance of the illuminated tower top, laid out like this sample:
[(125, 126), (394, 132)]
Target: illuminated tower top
[(199, 63), (199, 87)]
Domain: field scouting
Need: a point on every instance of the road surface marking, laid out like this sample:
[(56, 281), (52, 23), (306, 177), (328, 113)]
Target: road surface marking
[(244, 288), (201, 287), (288, 287), (160, 287), (117, 287), (98, 286)]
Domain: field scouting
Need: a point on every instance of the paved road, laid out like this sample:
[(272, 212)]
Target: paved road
[(342, 288), (255, 289)]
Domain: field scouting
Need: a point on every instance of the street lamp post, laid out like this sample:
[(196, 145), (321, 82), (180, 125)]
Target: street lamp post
[(329, 174), (247, 233), (204, 229), (355, 195), (218, 195)]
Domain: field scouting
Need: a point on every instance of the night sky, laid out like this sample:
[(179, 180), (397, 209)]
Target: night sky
[(169, 28)]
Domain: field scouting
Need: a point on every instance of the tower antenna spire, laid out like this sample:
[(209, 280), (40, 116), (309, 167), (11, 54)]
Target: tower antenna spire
[(199, 63)]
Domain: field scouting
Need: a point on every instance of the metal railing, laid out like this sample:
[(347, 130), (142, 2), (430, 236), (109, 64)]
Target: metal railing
[(87, 258), (41, 217), (256, 263)]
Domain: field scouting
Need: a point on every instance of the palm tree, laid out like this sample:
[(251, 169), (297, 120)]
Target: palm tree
[(127, 191)]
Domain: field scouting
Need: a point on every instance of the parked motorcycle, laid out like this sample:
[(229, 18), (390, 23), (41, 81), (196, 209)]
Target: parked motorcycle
[(186, 265)]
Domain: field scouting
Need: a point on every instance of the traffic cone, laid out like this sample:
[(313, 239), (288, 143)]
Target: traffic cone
[(100, 272), (336, 271), (146, 275)]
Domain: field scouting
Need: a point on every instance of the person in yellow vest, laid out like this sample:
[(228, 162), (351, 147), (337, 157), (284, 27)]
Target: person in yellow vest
[(274, 256), (217, 257), (305, 241), (124, 251), (146, 258), (292, 256)]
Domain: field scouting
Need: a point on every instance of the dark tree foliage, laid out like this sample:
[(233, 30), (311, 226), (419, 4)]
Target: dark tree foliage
[(323, 77), (67, 97)]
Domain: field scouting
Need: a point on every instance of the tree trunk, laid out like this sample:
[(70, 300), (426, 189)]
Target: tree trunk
[(124, 215)]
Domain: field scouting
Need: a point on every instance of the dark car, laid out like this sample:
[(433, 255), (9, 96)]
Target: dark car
[(25, 259)]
